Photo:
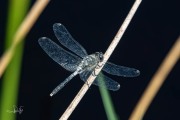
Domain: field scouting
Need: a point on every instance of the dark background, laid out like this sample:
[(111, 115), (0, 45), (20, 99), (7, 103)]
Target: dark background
[(94, 23)]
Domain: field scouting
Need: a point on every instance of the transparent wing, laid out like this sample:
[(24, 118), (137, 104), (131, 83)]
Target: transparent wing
[(120, 70), (101, 80), (64, 58), (67, 40)]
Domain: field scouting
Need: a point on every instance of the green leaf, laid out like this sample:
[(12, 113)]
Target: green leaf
[(107, 102), (9, 96)]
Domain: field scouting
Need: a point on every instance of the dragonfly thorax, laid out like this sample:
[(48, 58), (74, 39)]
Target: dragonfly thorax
[(91, 61)]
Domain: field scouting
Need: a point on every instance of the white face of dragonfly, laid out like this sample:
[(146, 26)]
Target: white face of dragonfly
[(91, 61)]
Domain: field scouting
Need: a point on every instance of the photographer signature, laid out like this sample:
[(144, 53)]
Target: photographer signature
[(16, 109)]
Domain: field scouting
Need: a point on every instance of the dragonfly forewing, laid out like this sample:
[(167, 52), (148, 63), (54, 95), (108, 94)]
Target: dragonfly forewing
[(67, 40)]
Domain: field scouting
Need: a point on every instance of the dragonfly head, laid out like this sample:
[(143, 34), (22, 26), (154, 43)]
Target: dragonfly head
[(100, 56)]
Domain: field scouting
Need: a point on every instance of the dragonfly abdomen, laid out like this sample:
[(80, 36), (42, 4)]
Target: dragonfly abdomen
[(61, 85)]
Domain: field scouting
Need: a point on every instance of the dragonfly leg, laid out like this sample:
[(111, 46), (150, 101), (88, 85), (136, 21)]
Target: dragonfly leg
[(87, 84), (94, 73), (98, 66)]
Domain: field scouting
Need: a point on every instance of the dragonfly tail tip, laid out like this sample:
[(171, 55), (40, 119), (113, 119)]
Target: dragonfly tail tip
[(51, 94)]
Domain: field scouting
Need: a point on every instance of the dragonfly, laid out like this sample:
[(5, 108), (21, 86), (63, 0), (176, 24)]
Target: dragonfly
[(77, 60)]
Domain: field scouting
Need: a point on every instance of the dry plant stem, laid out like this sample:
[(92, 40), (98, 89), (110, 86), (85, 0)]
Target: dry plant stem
[(156, 82), (22, 32), (109, 51)]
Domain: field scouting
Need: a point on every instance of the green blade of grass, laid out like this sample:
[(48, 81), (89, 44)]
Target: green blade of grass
[(16, 12), (107, 102)]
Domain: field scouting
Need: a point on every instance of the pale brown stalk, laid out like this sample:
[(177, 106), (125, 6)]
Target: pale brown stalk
[(156, 82), (22, 31)]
